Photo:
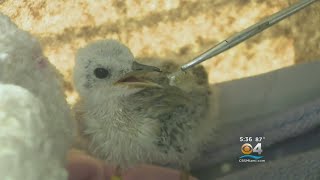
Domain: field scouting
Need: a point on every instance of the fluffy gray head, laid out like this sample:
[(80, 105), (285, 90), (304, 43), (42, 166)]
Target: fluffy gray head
[(107, 67)]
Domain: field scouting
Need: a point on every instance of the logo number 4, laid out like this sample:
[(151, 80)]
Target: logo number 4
[(258, 148)]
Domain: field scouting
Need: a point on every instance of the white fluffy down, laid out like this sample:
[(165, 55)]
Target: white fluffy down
[(36, 131)]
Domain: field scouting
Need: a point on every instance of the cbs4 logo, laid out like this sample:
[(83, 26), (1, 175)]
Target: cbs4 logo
[(247, 148)]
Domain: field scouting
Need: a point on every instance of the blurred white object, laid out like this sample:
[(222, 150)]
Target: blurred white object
[(43, 129), (27, 152)]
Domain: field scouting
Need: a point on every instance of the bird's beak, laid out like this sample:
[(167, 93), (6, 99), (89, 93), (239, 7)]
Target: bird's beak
[(133, 79)]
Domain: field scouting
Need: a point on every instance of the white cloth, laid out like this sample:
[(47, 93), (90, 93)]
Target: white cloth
[(35, 121), (26, 150), (279, 106), (304, 165)]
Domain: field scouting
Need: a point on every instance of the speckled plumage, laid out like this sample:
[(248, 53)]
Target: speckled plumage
[(127, 126)]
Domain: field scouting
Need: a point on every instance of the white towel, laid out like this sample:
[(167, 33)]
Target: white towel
[(35, 122), (27, 152), (302, 166), (278, 105)]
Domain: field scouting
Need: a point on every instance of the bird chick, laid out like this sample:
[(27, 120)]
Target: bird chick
[(130, 114)]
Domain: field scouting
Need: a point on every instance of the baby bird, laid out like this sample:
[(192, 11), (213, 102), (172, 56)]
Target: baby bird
[(129, 114)]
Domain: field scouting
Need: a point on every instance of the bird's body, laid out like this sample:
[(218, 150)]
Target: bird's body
[(145, 124)]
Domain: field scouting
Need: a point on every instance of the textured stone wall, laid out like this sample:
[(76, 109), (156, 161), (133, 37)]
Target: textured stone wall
[(175, 29)]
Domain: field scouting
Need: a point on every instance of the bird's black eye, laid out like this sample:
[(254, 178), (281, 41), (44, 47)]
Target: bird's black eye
[(101, 73)]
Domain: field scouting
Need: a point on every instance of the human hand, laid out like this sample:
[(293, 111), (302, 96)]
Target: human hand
[(83, 167)]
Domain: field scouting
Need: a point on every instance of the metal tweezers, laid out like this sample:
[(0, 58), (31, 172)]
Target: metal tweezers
[(247, 33)]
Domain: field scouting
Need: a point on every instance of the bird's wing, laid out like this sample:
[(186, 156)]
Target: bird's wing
[(179, 111)]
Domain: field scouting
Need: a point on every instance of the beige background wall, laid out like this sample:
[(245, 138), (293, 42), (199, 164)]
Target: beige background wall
[(175, 29)]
